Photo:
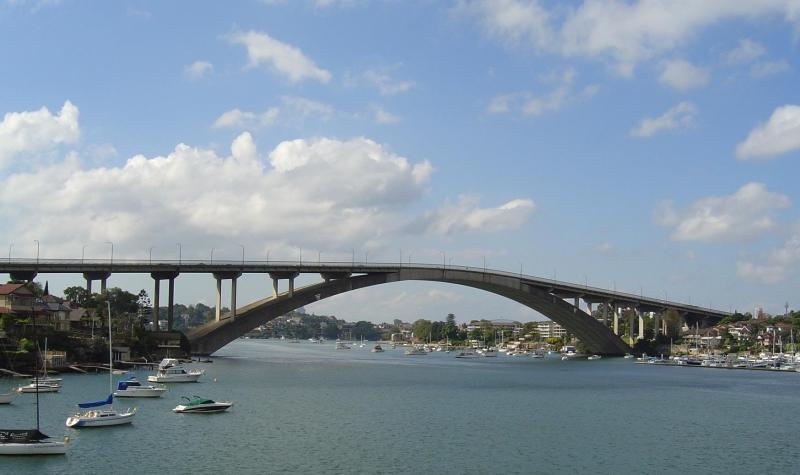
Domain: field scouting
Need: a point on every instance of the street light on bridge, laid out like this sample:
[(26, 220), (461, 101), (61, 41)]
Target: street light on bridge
[(37, 251), (151, 256), (9, 252), (83, 252), (242, 246), (212, 256), (179, 252)]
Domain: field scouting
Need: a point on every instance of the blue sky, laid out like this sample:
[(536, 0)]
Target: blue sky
[(651, 146)]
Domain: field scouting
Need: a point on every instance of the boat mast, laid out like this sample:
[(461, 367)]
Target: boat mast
[(110, 354), (36, 369)]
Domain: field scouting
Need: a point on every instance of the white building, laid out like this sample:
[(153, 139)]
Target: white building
[(550, 329)]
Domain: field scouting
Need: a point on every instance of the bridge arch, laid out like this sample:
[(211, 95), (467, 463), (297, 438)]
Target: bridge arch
[(597, 337)]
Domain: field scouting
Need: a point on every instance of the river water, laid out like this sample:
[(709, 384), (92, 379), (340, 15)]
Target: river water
[(303, 408)]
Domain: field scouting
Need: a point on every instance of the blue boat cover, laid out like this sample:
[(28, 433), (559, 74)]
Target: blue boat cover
[(86, 405), (122, 385)]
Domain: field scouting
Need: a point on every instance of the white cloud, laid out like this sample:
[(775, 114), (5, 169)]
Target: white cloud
[(292, 110), (37, 131), (621, 32), (678, 117), (683, 75), (288, 60), (769, 68), (746, 214), (561, 93), (779, 135), (384, 117), (320, 192), (466, 216), (198, 69), (383, 81), (239, 119), (747, 51), (777, 265)]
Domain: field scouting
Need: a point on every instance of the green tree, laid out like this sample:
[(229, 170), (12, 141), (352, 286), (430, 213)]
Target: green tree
[(450, 329), (421, 329), (365, 329), (77, 295)]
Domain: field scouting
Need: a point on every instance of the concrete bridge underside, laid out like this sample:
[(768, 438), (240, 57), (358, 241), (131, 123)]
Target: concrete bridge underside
[(597, 337)]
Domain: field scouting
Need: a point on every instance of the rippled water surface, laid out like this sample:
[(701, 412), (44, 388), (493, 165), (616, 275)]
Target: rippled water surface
[(302, 408)]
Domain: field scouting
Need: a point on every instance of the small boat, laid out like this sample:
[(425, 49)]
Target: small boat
[(40, 388), (340, 345), (133, 388), (467, 354), (29, 442), (171, 371), (415, 351), (594, 357), (537, 354), (8, 397), (488, 353), (202, 405), (628, 356), (377, 349)]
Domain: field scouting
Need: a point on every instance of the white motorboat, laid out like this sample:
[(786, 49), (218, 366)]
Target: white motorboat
[(488, 352), (40, 388), (594, 357), (106, 416), (628, 356), (133, 388), (171, 371), (340, 345), (377, 349), (202, 405), (29, 442), (415, 351)]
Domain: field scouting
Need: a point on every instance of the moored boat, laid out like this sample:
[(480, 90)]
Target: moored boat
[(377, 349), (171, 371), (202, 405), (415, 351), (133, 388), (594, 357), (29, 442), (40, 388), (8, 397)]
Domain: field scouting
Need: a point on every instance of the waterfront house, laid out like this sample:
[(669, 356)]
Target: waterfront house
[(18, 302)]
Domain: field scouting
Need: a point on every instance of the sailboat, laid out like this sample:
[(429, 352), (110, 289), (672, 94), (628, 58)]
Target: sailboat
[(103, 417), (42, 384), (30, 441)]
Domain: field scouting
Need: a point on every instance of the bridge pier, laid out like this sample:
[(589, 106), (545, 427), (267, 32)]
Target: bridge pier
[(276, 276), (220, 276), (605, 313), (641, 324), (92, 276), (656, 322), (156, 314), (616, 319), (630, 325)]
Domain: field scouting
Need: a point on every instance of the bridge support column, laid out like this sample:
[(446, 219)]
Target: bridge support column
[(218, 304), (96, 275), (656, 323), (641, 325), (156, 292), (233, 297), (274, 287), (103, 284), (605, 313), (291, 287), (171, 303), (630, 325), (616, 320), (88, 285)]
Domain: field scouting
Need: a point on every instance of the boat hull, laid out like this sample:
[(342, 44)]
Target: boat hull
[(42, 389), (118, 420), (144, 392), (178, 378), (33, 448), (203, 409), (7, 398)]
